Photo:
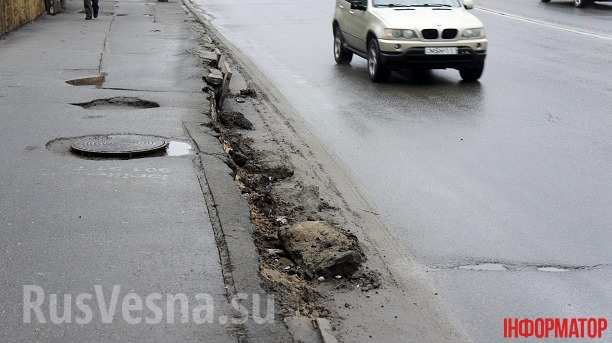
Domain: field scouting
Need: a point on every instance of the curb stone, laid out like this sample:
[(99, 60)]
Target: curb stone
[(230, 215)]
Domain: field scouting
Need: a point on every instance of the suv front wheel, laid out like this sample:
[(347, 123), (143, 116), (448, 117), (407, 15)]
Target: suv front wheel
[(582, 3), (473, 73), (342, 55), (377, 71)]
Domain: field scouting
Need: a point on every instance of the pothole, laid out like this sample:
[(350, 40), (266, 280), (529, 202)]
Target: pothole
[(120, 146), (117, 102), (97, 80)]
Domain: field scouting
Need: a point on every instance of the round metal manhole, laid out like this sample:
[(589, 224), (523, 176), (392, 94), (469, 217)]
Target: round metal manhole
[(119, 145)]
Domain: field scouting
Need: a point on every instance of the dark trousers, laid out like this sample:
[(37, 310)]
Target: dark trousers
[(91, 8)]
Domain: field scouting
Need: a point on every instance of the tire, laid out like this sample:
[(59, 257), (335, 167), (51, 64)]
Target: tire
[(582, 3), (341, 54), (472, 74), (376, 70)]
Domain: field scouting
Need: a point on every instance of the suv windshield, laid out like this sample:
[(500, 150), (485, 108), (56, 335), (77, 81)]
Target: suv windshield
[(417, 3)]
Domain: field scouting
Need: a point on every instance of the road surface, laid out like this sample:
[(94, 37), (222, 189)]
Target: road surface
[(501, 189)]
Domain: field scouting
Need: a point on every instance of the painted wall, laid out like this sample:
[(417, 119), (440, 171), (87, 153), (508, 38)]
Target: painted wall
[(14, 13)]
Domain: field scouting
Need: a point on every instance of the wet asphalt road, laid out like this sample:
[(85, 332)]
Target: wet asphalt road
[(514, 170)]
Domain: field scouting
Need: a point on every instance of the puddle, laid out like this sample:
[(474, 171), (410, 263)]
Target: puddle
[(489, 267), (553, 269), (117, 102), (97, 81), (176, 148)]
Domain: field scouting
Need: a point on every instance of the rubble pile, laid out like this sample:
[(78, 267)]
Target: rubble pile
[(300, 242)]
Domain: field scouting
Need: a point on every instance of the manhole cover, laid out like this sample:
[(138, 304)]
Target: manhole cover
[(119, 145)]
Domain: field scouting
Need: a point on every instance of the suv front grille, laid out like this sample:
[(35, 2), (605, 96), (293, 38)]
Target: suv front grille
[(430, 34), (449, 33)]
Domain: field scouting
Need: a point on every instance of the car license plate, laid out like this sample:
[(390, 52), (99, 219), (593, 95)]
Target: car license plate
[(441, 51)]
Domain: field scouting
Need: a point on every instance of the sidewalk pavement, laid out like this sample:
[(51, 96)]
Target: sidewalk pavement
[(68, 224)]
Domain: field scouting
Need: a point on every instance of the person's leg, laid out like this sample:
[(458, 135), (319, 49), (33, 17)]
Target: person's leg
[(88, 9), (96, 8)]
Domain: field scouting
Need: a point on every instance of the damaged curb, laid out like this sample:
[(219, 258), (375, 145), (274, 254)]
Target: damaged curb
[(336, 258), (229, 214)]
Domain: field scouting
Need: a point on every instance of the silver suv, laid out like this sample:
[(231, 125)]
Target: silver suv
[(410, 34)]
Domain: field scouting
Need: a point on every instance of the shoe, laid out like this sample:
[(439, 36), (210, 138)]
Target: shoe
[(87, 18), (95, 14)]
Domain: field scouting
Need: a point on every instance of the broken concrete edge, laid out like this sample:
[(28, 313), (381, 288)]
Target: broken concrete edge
[(217, 74), (229, 214), (210, 164), (214, 113), (227, 78)]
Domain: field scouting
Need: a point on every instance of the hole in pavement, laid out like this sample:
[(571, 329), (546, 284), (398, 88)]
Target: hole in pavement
[(117, 102), (119, 146), (97, 80)]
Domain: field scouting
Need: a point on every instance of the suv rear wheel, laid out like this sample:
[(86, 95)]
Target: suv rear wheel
[(376, 69), (471, 74), (341, 54)]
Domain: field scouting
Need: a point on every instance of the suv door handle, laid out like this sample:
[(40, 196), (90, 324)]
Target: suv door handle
[(352, 12), (341, 7)]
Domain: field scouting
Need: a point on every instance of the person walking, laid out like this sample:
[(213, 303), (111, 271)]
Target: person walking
[(91, 9)]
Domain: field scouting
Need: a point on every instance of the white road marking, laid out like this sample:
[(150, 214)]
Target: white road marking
[(546, 24)]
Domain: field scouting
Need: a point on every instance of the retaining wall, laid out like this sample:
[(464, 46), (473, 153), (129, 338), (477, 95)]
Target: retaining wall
[(14, 13)]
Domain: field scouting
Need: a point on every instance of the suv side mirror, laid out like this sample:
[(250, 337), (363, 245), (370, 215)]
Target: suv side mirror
[(468, 4), (358, 5)]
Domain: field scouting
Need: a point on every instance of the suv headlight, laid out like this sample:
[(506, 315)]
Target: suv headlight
[(399, 34), (473, 33)]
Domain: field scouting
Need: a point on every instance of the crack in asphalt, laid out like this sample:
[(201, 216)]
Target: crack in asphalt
[(105, 44), (496, 266)]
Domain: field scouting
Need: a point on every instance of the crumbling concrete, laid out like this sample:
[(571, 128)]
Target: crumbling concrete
[(321, 249)]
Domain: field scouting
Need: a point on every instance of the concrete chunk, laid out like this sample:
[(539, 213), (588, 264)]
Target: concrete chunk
[(214, 77), (322, 249)]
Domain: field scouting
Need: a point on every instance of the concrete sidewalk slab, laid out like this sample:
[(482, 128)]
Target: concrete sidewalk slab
[(70, 224)]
